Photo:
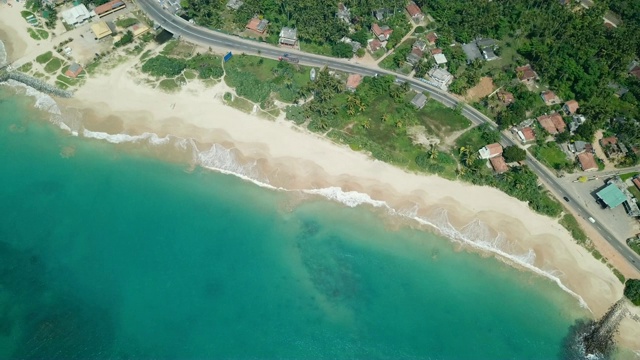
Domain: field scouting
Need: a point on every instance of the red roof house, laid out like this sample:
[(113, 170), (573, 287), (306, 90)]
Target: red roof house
[(491, 150), (382, 33), (570, 107), (74, 70), (499, 164), (506, 97), (550, 98), (431, 38), (526, 135), (257, 25), (553, 123), (374, 45), (108, 8), (436, 51), (414, 12), (526, 74), (353, 81), (587, 161)]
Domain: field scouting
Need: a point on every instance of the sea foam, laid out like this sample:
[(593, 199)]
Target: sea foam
[(225, 160)]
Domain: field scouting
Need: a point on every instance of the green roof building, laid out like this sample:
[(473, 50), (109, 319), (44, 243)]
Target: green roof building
[(612, 196)]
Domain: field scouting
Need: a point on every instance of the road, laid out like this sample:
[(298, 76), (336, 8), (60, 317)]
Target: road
[(183, 28)]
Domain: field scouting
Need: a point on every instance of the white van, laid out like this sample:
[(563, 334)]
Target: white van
[(592, 220)]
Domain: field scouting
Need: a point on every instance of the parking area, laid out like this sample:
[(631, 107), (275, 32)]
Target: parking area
[(615, 220)]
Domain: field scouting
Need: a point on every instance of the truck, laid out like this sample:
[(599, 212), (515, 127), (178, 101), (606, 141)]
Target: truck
[(289, 59)]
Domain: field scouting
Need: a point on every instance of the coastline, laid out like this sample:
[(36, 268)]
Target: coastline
[(283, 156)]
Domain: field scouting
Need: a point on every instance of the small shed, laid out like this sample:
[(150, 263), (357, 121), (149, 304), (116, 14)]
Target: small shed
[(419, 100)]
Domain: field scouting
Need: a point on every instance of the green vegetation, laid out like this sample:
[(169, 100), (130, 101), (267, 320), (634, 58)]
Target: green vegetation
[(26, 67), (164, 66), (127, 38), (514, 154), (53, 65), (44, 58), (208, 66), (26, 14), (632, 291), (241, 104), (169, 85), (634, 191), (314, 48), (190, 74), (65, 82), (551, 155), (125, 23), (256, 78), (634, 244), (342, 50), (145, 55), (627, 176), (571, 224), (398, 60), (180, 49), (35, 34)]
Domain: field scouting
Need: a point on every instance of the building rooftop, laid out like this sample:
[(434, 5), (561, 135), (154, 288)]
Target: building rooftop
[(611, 195), (108, 7), (490, 150), (76, 14), (471, 51), (506, 97), (611, 140), (432, 37), (413, 9), (353, 81), (289, 33), (419, 100), (587, 161), (527, 134), (550, 97), (499, 164), (235, 4), (526, 73), (440, 59), (571, 106), (100, 29), (552, 123), (257, 25)]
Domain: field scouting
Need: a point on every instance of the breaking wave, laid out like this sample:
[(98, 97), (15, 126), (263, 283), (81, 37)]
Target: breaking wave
[(228, 161)]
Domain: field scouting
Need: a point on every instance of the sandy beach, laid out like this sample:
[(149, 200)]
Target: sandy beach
[(283, 155)]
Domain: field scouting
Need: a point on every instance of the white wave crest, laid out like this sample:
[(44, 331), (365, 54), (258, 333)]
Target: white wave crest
[(151, 138), (349, 198), (3, 54)]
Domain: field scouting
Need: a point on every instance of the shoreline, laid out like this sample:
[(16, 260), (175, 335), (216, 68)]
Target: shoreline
[(285, 156)]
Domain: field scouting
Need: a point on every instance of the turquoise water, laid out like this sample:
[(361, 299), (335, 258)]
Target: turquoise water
[(112, 254)]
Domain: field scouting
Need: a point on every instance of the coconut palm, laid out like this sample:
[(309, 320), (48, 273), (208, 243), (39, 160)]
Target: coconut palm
[(366, 124), (385, 117)]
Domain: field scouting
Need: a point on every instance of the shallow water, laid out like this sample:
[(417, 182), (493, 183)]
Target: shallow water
[(107, 253)]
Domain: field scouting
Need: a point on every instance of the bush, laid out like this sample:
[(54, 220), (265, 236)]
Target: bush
[(342, 50), (164, 66), (127, 38), (296, 114), (632, 291), (514, 154), (125, 23)]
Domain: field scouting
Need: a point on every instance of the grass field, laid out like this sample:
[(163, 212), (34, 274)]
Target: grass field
[(169, 85), (53, 65), (256, 78), (25, 68), (551, 155), (44, 58), (320, 49), (241, 104), (125, 23), (179, 49), (627, 176)]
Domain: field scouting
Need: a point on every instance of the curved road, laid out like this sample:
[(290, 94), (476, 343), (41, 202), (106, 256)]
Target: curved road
[(183, 28)]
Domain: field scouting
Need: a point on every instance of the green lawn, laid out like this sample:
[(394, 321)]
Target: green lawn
[(441, 119), (125, 23), (34, 34), (43, 34), (627, 176), (402, 50), (551, 155), (634, 191), (169, 85), (44, 58), (179, 49), (241, 104), (471, 139), (190, 74), (25, 14), (53, 65), (320, 49), (634, 245), (25, 68)]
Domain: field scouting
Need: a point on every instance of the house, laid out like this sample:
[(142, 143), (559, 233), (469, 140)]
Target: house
[(487, 47), (471, 51), (526, 74), (612, 147), (436, 51), (355, 46), (440, 78), (374, 45), (491, 150), (414, 12), (580, 147), (550, 98), (587, 161), (526, 135), (380, 14), (288, 36), (101, 29), (420, 44), (343, 13), (634, 69), (440, 58), (414, 56), (431, 37), (139, 29), (553, 123), (353, 81), (419, 100), (257, 25), (570, 107), (506, 97), (234, 4), (499, 164), (577, 121), (110, 7), (381, 32), (74, 70), (76, 15)]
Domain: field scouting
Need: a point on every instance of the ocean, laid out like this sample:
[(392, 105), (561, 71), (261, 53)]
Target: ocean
[(109, 252)]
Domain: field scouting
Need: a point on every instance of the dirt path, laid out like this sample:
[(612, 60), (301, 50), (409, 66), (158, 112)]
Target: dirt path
[(600, 153)]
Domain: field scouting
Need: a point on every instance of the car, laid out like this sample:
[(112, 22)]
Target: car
[(565, 198), (593, 221)]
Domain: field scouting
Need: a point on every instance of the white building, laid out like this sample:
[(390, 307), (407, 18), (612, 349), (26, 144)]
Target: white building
[(440, 78), (440, 59), (76, 15)]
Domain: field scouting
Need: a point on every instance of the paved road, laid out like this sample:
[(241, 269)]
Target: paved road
[(179, 26)]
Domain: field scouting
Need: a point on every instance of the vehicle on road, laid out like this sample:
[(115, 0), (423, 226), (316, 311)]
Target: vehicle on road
[(565, 198), (289, 59), (592, 220)]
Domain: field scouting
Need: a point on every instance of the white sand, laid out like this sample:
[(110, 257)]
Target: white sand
[(14, 35)]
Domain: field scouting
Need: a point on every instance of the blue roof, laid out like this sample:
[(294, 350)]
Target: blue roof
[(612, 196)]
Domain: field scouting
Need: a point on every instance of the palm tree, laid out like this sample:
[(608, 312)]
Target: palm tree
[(385, 118), (433, 152), (366, 124), (398, 124)]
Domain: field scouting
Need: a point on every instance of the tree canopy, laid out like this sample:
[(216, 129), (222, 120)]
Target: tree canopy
[(632, 291)]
